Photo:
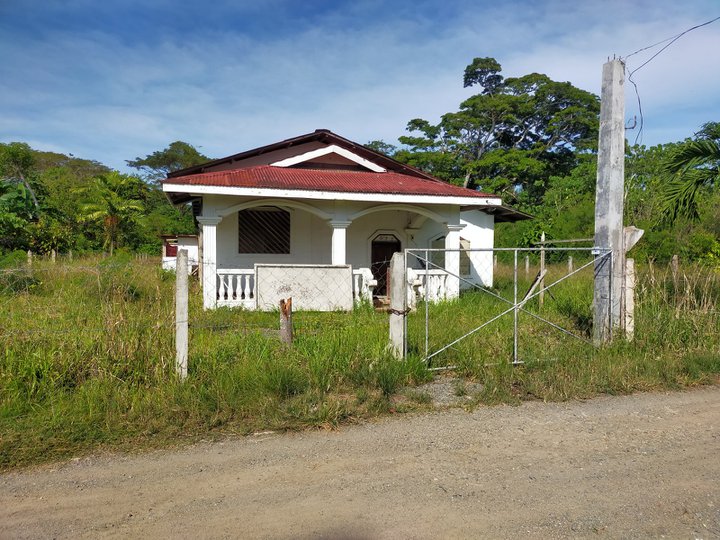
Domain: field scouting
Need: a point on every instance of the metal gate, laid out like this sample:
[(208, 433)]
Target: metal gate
[(514, 304)]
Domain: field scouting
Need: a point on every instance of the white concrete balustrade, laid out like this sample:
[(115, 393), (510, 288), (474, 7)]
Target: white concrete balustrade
[(434, 281), (236, 287)]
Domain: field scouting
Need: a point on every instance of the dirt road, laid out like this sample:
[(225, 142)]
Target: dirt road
[(639, 466)]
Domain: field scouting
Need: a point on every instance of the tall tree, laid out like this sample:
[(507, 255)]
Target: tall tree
[(694, 165), (509, 138), (178, 155)]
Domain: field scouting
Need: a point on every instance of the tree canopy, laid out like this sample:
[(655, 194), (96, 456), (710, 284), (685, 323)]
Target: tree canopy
[(510, 138), (178, 155)]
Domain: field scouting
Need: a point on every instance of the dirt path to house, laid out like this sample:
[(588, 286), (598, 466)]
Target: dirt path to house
[(640, 466)]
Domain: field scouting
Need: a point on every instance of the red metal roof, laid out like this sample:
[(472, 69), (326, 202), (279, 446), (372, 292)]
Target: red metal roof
[(269, 177)]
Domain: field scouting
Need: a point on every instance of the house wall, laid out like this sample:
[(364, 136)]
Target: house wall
[(310, 241), (311, 236)]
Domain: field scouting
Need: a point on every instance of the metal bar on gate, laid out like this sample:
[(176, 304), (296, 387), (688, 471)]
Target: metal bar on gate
[(515, 314), (427, 304), (407, 307), (479, 250)]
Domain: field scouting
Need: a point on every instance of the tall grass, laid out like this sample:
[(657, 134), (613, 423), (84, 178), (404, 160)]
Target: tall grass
[(87, 353)]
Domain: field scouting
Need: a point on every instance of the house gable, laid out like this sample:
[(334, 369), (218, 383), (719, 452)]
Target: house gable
[(329, 156), (304, 144)]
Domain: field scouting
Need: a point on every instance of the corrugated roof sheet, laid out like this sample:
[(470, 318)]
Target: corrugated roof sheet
[(269, 177)]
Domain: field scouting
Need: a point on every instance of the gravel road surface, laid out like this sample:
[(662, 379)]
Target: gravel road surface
[(642, 466)]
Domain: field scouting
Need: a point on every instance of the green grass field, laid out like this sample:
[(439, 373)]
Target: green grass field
[(87, 356)]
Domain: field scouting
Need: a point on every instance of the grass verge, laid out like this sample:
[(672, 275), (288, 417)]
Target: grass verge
[(86, 357)]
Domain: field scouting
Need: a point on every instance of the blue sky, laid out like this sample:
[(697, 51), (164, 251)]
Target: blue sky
[(112, 80)]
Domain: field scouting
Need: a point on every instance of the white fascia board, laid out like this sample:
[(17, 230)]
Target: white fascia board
[(328, 195), (331, 149)]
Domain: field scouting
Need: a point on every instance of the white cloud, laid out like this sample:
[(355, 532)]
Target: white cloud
[(106, 97)]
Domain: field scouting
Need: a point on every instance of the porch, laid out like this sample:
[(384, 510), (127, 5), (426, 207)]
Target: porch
[(359, 236), (237, 287)]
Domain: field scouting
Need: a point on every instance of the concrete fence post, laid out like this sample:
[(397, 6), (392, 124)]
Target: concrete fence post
[(398, 304), (181, 314), (527, 265), (53, 254), (29, 258), (541, 296), (570, 264), (629, 299)]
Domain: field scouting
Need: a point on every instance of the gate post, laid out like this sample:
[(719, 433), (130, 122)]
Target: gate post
[(398, 305), (609, 193)]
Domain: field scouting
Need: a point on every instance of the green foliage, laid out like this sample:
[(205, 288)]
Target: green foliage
[(178, 155), (508, 139), (694, 165), (86, 359), (114, 201)]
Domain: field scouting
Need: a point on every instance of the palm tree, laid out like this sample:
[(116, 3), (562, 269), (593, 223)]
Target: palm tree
[(693, 165), (113, 201)]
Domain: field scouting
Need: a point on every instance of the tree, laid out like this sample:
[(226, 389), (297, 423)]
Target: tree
[(178, 155), (16, 165), (16, 212), (381, 147), (509, 138), (114, 199), (694, 165)]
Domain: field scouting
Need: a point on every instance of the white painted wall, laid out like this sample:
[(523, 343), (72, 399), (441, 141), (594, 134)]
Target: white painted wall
[(311, 236), (187, 243)]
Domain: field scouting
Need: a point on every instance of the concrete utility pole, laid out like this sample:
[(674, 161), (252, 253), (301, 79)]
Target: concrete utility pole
[(609, 202)]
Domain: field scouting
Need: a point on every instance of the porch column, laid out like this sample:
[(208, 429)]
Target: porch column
[(452, 260), (339, 244), (209, 260)]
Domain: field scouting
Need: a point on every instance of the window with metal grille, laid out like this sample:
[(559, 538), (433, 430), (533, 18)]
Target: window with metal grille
[(264, 230)]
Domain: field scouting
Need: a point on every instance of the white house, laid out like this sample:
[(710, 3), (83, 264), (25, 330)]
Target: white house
[(324, 203), (170, 245)]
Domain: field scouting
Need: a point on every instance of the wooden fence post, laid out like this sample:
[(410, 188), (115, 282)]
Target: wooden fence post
[(181, 313), (675, 267), (398, 304), (541, 296), (286, 326)]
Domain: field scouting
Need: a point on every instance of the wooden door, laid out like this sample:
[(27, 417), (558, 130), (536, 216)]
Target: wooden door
[(382, 249)]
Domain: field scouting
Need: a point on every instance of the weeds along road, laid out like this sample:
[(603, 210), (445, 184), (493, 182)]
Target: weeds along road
[(640, 466)]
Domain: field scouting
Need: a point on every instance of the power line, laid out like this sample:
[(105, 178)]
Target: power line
[(669, 42)]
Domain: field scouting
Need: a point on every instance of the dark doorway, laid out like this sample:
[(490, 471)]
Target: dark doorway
[(382, 249)]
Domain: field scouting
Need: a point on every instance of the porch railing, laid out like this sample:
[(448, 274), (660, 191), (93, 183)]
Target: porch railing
[(436, 285), (236, 287), (363, 285)]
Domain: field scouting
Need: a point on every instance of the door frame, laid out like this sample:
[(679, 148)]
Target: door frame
[(373, 239)]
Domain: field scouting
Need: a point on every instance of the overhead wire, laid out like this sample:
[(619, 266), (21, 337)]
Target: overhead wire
[(669, 41)]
